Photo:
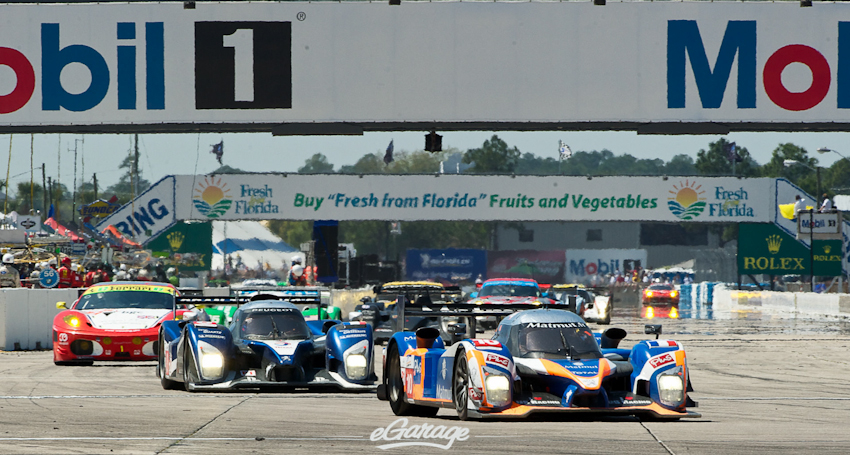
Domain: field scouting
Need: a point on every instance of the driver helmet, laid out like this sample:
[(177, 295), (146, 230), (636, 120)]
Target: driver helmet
[(296, 260), (52, 262), (66, 261), (8, 258)]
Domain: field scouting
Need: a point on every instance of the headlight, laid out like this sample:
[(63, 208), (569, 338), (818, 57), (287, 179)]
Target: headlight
[(212, 362), (355, 366), (498, 390), (671, 389), (72, 320), (674, 293), (648, 293)]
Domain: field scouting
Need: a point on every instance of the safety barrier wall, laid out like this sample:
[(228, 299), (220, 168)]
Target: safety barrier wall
[(26, 316), (802, 303)]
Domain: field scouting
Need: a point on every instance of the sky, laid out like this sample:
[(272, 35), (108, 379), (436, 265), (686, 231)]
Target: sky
[(166, 154)]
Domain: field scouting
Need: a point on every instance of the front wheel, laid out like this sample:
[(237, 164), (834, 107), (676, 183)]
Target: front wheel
[(460, 386), (167, 384), (396, 393), (188, 364)]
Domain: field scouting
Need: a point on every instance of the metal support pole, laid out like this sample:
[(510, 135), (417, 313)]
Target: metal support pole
[(812, 245)]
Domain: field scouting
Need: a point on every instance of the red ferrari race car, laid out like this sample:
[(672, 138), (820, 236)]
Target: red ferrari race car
[(660, 294), (112, 321)]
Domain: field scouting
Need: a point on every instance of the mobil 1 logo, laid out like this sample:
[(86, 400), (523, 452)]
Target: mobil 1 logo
[(243, 65)]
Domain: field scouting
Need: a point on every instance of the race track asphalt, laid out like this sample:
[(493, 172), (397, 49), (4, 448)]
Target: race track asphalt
[(765, 384)]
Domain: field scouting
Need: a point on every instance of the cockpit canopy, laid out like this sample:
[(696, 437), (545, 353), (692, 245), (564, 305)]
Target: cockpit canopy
[(548, 334), (267, 322)]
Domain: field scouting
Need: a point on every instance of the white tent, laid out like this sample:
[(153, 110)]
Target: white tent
[(252, 242)]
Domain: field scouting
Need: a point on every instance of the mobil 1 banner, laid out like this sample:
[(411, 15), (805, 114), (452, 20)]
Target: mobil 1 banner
[(346, 66), (471, 197)]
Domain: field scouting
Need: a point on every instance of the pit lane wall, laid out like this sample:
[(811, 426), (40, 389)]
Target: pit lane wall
[(797, 303), (26, 316)]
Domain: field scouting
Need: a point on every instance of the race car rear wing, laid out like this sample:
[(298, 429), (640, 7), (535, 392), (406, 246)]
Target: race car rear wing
[(299, 296), (466, 310)]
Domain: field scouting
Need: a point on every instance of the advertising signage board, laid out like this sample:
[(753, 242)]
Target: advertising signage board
[(766, 249), (471, 197), (277, 66)]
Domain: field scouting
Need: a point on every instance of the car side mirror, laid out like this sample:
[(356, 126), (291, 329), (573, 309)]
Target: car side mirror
[(652, 329), (61, 306), (457, 331)]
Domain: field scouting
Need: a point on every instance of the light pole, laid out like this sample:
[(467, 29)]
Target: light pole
[(823, 150), (789, 163)]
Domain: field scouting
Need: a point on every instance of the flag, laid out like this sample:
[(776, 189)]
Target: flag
[(388, 157), (51, 213), (564, 150), (732, 153), (218, 151)]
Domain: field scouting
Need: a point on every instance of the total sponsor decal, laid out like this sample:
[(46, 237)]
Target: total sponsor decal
[(284, 347)]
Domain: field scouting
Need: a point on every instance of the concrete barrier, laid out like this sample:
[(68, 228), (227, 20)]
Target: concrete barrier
[(800, 303), (26, 316)]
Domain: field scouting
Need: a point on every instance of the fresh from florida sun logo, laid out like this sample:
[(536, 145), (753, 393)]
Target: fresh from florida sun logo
[(686, 200), (212, 198)]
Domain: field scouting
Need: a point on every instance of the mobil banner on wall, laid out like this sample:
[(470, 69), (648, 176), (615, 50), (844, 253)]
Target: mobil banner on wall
[(452, 265), (593, 266), (543, 266), (472, 197)]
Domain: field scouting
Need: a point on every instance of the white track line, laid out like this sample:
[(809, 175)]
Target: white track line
[(178, 438)]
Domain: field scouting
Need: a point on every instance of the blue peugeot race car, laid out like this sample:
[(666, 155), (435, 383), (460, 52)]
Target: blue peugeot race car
[(539, 360), (268, 345)]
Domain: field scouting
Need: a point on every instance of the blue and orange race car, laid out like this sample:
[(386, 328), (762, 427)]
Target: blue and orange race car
[(540, 360)]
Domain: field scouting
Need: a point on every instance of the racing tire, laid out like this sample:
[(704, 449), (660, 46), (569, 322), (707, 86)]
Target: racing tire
[(73, 363), (460, 385), (167, 384), (395, 390), (188, 364)]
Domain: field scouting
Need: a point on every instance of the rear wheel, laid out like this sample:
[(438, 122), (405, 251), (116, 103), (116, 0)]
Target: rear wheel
[(395, 390), (167, 384), (460, 386)]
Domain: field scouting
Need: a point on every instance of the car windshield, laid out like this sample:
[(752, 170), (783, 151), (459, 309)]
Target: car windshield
[(274, 325), (562, 294), (661, 287), (126, 299), (572, 340), (508, 290)]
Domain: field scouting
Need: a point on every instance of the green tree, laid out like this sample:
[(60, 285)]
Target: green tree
[(680, 165), (316, 164), (22, 198), (225, 169), (715, 161), (493, 157), (131, 182), (803, 174), (292, 232)]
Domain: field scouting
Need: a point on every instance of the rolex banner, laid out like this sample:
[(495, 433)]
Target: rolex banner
[(184, 246), (766, 249)]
